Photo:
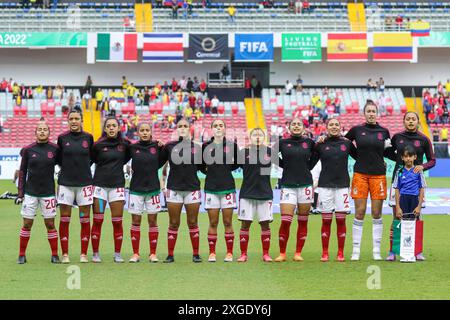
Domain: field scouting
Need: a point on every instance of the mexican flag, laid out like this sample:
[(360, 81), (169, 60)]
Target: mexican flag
[(117, 47), (407, 240)]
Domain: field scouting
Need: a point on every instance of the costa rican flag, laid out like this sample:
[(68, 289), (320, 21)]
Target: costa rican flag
[(162, 47)]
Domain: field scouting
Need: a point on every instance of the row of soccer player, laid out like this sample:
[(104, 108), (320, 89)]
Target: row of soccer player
[(75, 151)]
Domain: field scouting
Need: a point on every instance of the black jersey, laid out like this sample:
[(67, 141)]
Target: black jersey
[(419, 142), (146, 158), (257, 163), (296, 161), (219, 160), (37, 170), (369, 140), (185, 159), (110, 155), (75, 159), (333, 154)]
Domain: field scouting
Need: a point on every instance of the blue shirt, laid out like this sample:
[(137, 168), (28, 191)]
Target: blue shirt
[(409, 182)]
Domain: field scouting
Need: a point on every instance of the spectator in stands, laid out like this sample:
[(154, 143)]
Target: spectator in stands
[(146, 101), (189, 7), (440, 88), (407, 24), (337, 104), (39, 92), (183, 83), (203, 86), (15, 91), (45, 4), (87, 98), (59, 92), (381, 85), (288, 87), (88, 85), (208, 106), (306, 7), (231, 14), (3, 85), (192, 100), (439, 113), (389, 22), (291, 6), (71, 102), (124, 83), (382, 103), (195, 84), (158, 3), (174, 9), (447, 87), (248, 87), (199, 102), (444, 114), (174, 85), (370, 85), (214, 104), (226, 74), (298, 6), (435, 135), (189, 84), (29, 94), (399, 22), (49, 93), (131, 90), (254, 83), (258, 90), (444, 134), (99, 96)]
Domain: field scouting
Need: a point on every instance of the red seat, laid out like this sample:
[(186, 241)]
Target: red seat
[(348, 109), (403, 108), (280, 110), (390, 110), (221, 109), (234, 109), (19, 111)]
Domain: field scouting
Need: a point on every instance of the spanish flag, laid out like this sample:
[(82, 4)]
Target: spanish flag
[(392, 46), (420, 28), (349, 46)]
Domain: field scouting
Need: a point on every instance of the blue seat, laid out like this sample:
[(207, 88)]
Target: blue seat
[(118, 9), (274, 15), (105, 15)]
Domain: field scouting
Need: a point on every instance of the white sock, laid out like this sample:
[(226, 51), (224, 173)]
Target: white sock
[(357, 235), (377, 234)]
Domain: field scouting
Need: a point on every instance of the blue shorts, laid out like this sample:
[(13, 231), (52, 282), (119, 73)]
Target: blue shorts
[(408, 203)]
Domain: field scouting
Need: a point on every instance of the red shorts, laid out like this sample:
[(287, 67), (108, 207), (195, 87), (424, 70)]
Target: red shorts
[(362, 184)]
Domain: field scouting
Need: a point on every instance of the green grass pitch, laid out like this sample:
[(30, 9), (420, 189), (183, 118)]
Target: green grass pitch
[(38, 279)]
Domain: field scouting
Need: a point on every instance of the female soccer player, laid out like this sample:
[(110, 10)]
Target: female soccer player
[(219, 158), (422, 146), (37, 189), (296, 186), (369, 176), (75, 186), (255, 197), (333, 186), (146, 158), (183, 188), (110, 155)]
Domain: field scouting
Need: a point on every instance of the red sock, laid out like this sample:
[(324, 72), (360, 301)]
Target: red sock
[(85, 233), (244, 237), (265, 240), (195, 235), (171, 240), (286, 221), (326, 230), (118, 233), (24, 237), (229, 240), (341, 230), (212, 239), (135, 233), (153, 233), (52, 237), (96, 231), (64, 234), (302, 232)]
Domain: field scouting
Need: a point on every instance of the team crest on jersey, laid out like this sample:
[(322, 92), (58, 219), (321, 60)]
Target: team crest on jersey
[(153, 150), (120, 148), (363, 133), (138, 151), (416, 143), (85, 144), (289, 145), (401, 141), (343, 147), (34, 155), (50, 155), (380, 136), (305, 145), (105, 149), (327, 148), (67, 144)]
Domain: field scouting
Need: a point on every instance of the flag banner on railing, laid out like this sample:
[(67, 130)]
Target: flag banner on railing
[(208, 47), (253, 47), (117, 47), (350, 46), (420, 28), (436, 39), (301, 47), (43, 39), (392, 46), (162, 47)]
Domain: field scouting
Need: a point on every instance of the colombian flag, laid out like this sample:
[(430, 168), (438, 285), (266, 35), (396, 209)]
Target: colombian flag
[(392, 46), (347, 47), (420, 28)]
